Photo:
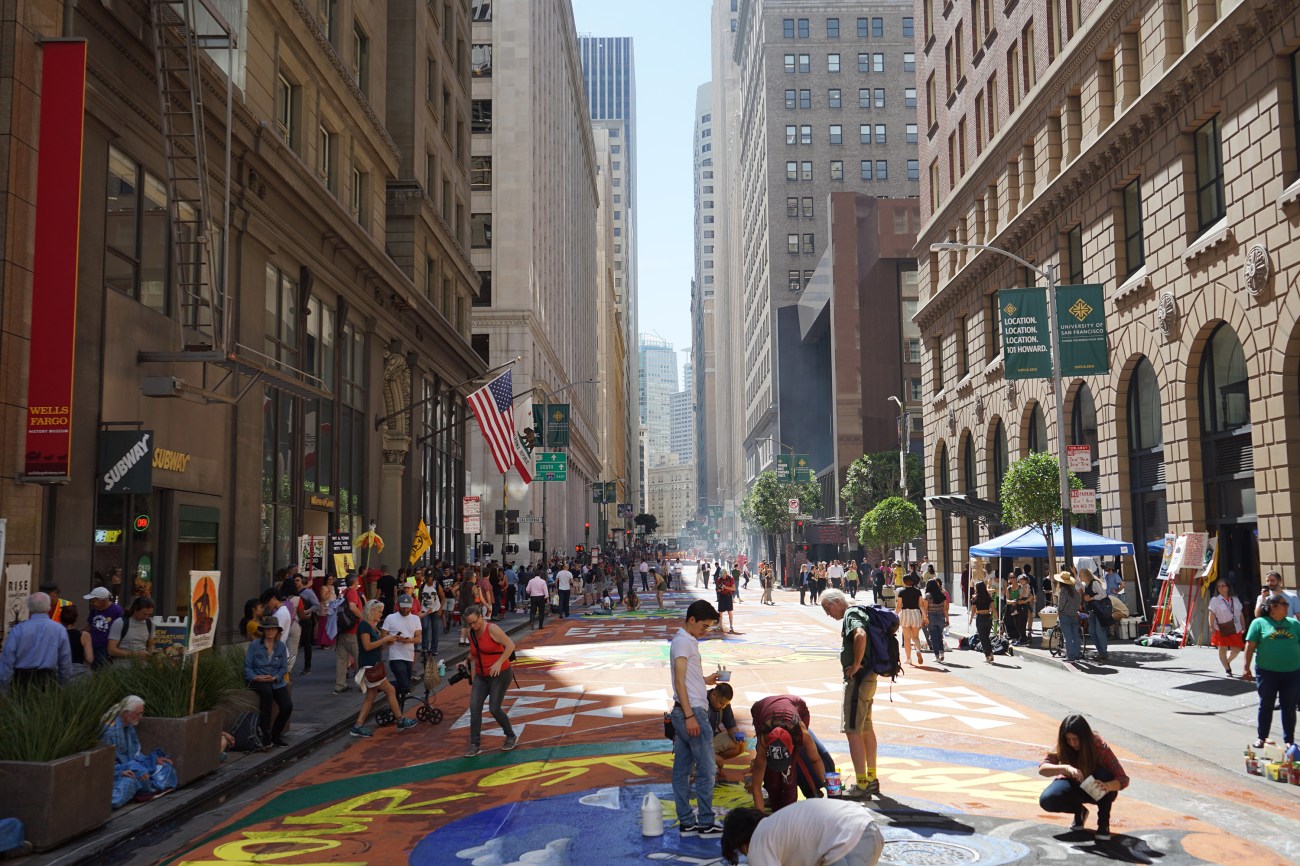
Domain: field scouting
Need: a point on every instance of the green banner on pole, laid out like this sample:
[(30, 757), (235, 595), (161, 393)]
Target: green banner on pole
[(784, 467), (1026, 340), (556, 424), (611, 491), (598, 492), (1081, 320), (802, 469)]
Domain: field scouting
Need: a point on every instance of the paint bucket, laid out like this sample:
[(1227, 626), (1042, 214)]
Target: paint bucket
[(652, 816)]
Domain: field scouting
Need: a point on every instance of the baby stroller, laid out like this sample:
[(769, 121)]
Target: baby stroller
[(426, 712)]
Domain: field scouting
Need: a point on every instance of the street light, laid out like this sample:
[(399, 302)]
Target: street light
[(902, 445), (546, 422), (1048, 273)]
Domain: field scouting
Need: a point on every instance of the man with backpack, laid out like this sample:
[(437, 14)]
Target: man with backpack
[(870, 649), (347, 615)]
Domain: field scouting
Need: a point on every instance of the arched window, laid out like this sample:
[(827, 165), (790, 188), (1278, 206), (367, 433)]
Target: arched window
[(1083, 431), (1037, 429), (1146, 463), (1225, 391), (998, 459), (971, 487), (945, 517), (1225, 432)]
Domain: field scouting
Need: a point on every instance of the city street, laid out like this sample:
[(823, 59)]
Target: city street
[(958, 763)]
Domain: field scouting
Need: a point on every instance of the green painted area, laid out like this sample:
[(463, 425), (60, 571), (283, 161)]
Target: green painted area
[(315, 796)]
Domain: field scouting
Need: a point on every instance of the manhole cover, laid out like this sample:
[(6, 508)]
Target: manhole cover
[(915, 852)]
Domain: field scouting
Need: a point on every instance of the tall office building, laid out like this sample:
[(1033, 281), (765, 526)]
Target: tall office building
[(609, 74), (827, 105), (681, 434), (703, 339), (658, 381)]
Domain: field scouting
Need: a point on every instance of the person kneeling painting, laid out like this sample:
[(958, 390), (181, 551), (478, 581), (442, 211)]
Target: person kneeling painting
[(1086, 771), (788, 757), (135, 774), (807, 833)]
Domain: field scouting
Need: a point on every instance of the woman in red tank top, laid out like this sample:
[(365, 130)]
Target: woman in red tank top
[(490, 649)]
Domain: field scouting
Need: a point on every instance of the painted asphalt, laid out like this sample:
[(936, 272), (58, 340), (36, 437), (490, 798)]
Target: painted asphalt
[(957, 766)]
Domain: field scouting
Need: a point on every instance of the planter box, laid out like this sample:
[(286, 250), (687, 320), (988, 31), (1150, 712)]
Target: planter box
[(193, 742), (58, 800)]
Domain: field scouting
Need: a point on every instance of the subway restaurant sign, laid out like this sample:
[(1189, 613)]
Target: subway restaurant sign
[(1081, 324)]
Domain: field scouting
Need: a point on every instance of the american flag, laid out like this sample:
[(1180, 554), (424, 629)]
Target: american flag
[(493, 406)]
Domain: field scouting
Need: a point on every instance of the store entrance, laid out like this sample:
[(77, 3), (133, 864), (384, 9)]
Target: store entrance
[(196, 550)]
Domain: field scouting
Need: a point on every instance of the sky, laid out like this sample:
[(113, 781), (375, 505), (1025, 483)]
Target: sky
[(671, 50)]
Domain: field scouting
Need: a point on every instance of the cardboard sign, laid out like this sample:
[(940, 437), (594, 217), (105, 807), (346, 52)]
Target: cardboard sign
[(311, 554), (18, 585), (204, 606)]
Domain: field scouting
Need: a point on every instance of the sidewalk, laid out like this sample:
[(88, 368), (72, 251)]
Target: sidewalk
[(319, 715)]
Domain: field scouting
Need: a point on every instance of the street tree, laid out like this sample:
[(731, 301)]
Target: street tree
[(767, 506), (1031, 496), (873, 478), (892, 523), (648, 523)]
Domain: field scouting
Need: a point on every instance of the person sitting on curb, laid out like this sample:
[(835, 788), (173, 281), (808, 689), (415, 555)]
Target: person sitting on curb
[(135, 775), (787, 756), (807, 833)]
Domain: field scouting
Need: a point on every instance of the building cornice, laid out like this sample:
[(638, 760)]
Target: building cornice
[(1194, 73)]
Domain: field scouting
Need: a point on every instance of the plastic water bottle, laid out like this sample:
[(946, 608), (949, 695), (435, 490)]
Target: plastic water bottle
[(652, 816), (442, 668)]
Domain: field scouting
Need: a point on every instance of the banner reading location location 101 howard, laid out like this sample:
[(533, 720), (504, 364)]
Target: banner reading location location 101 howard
[(1026, 342), (1081, 323)]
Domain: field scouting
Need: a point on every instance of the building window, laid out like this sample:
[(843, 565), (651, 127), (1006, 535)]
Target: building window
[(837, 134), (832, 28), (865, 168), (792, 244), (484, 296), (882, 169), (803, 28), (913, 169), (326, 168), (863, 24), (790, 100), (1209, 175), (864, 98), (136, 232), (789, 63), (911, 133), (909, 61), (805, 99), (909, 97), (792, 206), (480, 60), (806, 170), (808, 207), (1074, 254), (908, 29), (880, 133), (360, 57), (792, 171), (878, 63), (288, 97), (963, 348), (1133, 248), (480, 173), (805, 63), (480, 231), (993, 326), (360, 191), (915, 387), (837, 169), (913, 350), (832, 63), (832, 98), (864, 133), (787, 28), (878, 27), (805, 134), (791, 134), (480, 116), (880, 97), (793, 282), (864, 63), (809, 243)]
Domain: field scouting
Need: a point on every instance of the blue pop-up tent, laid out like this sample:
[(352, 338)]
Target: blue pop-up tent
[(1028, 541)]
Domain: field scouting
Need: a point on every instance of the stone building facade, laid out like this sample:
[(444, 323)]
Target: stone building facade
[(347, 278), (1150, 148)]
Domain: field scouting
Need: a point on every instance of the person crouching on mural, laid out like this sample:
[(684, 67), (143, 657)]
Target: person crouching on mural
[(728, 741), (490, 650), (788, 757), (1084, 771), (807, 833)]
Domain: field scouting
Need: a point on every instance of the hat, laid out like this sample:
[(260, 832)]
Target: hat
[(1276, 599), (1064, 577), (270, 622), (780, 749), (98, 592), (404, 601)]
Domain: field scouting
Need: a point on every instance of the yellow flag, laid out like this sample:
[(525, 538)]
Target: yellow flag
[(421, 543)]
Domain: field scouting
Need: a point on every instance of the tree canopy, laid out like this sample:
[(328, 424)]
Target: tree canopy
[(873, 478), (1031, 495), (767, 506), (648, 523), (892, 523)]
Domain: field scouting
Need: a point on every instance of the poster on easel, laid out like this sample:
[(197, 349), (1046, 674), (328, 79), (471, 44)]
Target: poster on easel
[(204, 607), (18, 585)]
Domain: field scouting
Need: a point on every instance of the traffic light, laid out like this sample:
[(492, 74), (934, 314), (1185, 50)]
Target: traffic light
[(486, 548), (586, 529), (579, 548), (509, 548), (535, 545)]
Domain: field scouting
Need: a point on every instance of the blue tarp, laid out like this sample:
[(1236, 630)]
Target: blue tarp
[(1157, 546), (1030, 542)]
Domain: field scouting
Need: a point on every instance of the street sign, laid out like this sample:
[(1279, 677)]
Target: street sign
[(552, 466), (1026, 343), (472, 514), (794, 506), (1083, 501), (530, 520), (1078, 458)]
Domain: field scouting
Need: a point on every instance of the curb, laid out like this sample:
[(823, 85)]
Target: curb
[(179, 804)]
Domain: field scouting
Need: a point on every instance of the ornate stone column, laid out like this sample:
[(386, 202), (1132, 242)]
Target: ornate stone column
[(396, 442)]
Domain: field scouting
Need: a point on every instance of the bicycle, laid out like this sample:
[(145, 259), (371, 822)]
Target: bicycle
[(1056, 637)]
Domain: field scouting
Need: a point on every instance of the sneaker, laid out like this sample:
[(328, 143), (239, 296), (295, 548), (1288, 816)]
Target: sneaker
[(1080, 819), (509, 743), (359, 731), (338, 690), (405, 725), (713, 831), (279, 741), (1103, 831), (472, 751), (688, 830), (861, 792)]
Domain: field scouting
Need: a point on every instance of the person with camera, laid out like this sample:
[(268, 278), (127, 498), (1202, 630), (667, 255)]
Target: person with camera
[(490, 650)]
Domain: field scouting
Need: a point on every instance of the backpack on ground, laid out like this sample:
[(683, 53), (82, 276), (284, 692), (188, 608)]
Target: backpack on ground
[(882, 640), (1000, 646), (247, 736)]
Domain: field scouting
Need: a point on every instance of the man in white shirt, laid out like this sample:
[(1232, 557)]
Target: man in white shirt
[(564, 585), (401, 653), (692, 735), (835, 574), (644, 568), (805, 833), (538, 595)]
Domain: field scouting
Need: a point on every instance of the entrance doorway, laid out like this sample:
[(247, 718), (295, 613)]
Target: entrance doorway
[(196, 550)]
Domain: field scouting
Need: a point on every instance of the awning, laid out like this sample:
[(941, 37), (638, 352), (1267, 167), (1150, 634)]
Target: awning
[(1028, 541), (966, 506)]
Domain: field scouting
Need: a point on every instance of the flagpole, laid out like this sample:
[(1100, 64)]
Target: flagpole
[(379, 422)]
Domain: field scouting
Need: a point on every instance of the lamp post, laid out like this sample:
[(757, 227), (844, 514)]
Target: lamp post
[(1048, 273), (902, 445), (546, 421), (780, 445)]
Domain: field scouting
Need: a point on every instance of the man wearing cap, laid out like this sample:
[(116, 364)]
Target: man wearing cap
[(788, 757), (401, 653), (103, 613)]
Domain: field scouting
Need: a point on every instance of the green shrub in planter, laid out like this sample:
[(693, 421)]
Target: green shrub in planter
[(164, 681), (48, 724)]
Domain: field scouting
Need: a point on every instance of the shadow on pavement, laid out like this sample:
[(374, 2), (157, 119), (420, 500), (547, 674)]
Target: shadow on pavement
[(909, 816), (1120, 848)]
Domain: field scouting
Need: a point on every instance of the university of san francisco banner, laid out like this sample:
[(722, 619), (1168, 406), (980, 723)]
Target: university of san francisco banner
[(1081, 323), (54, 274)]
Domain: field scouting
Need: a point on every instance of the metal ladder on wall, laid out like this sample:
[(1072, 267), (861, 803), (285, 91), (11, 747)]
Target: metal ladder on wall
[(197, 239)]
